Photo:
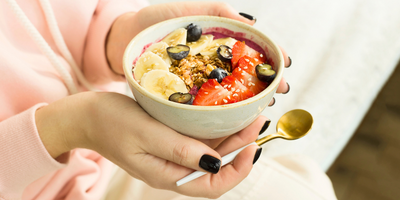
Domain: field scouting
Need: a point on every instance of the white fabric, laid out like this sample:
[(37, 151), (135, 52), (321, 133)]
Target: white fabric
[(288, 177), (343, 52)]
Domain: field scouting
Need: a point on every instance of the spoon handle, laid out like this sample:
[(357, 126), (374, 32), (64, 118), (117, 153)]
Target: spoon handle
[(225, 160)]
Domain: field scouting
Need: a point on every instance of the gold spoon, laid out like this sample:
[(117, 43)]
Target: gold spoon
[(292, 125)]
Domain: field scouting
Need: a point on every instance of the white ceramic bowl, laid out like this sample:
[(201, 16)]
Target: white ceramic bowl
[(203, 122)]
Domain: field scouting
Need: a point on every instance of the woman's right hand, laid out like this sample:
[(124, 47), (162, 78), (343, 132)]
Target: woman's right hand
[(115, 126)]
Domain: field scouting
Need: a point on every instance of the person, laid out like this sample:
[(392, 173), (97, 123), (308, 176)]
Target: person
[(59, 140)]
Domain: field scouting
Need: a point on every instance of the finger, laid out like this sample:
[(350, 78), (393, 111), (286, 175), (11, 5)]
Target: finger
[(283, 87), (288, 60), (230, 175), (272, 102), (244, 137), (165, 143), (226, 10)]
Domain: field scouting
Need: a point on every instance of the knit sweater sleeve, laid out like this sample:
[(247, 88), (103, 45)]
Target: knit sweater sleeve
[(23, 156)]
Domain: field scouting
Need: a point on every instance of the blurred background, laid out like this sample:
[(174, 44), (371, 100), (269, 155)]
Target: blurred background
[(345, 54)]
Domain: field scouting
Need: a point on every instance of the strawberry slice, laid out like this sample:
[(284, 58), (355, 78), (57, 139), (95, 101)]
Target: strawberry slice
[(239, 91), (240, 49), (248, 64), (212, 93), (249, 81)]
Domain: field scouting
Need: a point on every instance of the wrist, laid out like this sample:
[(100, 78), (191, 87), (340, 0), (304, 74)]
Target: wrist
[(61, 125), (124, 28)]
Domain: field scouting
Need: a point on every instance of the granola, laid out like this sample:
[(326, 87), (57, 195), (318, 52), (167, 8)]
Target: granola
[(195, 70)]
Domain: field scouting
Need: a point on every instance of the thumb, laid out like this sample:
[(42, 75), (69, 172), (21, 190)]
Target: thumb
[(183, 150)]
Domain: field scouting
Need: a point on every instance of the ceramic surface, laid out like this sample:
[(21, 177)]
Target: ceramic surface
[(204, 122)]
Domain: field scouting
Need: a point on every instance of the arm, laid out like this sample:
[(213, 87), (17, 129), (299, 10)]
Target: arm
[(116, 127)]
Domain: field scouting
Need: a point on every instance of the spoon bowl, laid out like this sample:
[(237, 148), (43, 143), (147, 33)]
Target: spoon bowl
[(292, 125)]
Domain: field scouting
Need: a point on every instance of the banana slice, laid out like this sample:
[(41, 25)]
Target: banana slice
[(160, 49), (148, 61), (197, 46), (211, 49), (177, 36), (162, 83)]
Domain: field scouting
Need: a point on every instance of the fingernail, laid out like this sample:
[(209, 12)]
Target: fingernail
[(250, 17), (257, 155), (265, 126), (273, 102), (290, 62), (288, 88), (210, 163)]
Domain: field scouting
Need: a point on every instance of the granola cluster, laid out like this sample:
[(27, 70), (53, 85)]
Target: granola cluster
[(195, 70)]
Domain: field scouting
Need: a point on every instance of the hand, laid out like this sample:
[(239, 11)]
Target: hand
[(116, 127)]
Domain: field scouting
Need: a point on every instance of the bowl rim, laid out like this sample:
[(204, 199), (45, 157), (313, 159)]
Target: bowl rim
[(128, 67)]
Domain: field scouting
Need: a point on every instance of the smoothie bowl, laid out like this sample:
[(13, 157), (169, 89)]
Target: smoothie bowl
[(205, 77)]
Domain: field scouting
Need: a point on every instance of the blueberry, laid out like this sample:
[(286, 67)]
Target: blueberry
[(265, 73), (193, 32), (178, 52), (183, 98), (224, 53), (219, 74)]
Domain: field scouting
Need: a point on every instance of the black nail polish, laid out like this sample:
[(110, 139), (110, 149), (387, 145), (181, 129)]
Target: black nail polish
[(290, 62), (250, 17), (257, 155), (273, 102), (265, 126), (210, 163), (288, 88)]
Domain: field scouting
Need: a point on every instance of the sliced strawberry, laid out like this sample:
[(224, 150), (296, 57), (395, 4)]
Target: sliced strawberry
[(237, 53), (240, 49), (212, 93), (239, 91), (248, 80), (248, 64)]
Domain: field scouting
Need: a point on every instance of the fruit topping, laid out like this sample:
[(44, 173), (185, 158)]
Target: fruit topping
[(176, 37), (211, 49), (160, 49), (265, 73), (219, 74), (162, 83), (148, 61), (183, 98), (248, 64), (239, 91), (212, 93), (224, 53), (193, 32), (248, 80), (240, 49), (199, 45), (178, 52)]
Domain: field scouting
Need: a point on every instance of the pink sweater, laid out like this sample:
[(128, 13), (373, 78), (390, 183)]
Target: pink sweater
[(29, 81)]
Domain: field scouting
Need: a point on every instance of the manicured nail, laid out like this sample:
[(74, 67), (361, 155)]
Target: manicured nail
[(290, 62), (210, 163), (288, 88), (265, 126), (257, 155), (250, 17), (273, 102)]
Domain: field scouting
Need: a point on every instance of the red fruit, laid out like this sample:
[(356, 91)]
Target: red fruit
[(239, 91), (240, 49), (250, 81), (248, 64), (212, 93)]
